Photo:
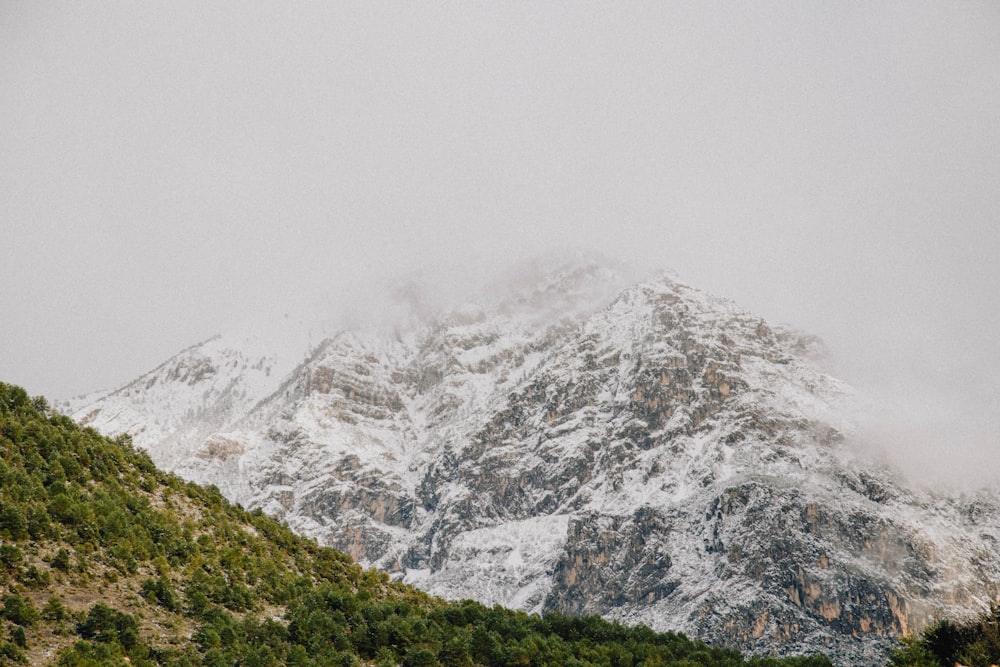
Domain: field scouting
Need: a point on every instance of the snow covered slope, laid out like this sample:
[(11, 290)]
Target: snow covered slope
[(645, 452), (172, 409)]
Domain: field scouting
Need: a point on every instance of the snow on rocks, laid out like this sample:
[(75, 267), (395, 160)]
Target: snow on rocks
[(649, 453)]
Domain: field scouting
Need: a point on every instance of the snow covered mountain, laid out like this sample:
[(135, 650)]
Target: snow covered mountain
[(645, 452), (172, 409)]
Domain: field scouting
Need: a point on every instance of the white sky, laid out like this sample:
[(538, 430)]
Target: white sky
[(166, 168)]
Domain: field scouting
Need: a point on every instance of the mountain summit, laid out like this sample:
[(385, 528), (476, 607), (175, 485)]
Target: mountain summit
[(646, 452)]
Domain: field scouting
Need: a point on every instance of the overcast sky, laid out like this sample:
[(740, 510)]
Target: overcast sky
[(166, 168)]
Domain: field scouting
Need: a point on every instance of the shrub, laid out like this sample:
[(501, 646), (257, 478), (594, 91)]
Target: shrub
[(17, 636), (159, 591), (18, 610), (10, 556), (61, 560), (107, 625), (35, 578), (10, 653), (54, 610), (13, 523)]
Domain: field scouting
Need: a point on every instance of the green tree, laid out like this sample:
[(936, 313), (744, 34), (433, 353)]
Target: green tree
[(19, 610), (107, 625), (54, 610), (161, 592)]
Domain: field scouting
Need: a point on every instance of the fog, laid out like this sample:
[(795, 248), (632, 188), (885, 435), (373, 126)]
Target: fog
[(168, 169)]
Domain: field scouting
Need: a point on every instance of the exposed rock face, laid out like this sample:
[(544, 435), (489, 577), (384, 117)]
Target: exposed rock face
[(613, 561), (659, 456)]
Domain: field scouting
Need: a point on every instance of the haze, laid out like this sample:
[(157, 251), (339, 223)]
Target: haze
[(167, 168)]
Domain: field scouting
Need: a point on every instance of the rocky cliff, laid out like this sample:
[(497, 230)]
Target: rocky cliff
[(645, 452)]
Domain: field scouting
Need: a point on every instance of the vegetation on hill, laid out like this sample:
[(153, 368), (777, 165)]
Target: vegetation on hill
[(944, 644), (106, 560)]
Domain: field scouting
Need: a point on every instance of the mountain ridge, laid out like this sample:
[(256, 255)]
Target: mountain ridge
[(660, 456)]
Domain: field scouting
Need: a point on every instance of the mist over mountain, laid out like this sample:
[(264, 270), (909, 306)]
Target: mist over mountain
[(571, 440)]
